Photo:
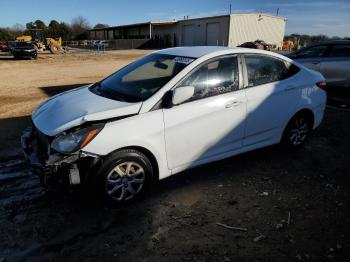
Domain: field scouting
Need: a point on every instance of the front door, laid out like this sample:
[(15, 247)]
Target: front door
[(212, 121)]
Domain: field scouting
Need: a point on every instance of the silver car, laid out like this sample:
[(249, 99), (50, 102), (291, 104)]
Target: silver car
[(331, 59)]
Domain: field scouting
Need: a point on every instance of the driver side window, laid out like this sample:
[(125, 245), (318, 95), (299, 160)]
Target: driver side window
[(214, 78)]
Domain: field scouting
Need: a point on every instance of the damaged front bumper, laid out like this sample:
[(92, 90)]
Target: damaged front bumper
[(46, 162)]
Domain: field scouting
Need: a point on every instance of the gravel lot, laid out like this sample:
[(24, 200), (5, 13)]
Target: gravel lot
[(293, 206)]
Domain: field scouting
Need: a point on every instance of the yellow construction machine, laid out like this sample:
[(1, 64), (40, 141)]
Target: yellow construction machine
[(36, 36)]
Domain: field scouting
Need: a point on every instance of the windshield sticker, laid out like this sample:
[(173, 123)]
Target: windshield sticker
[(183, 60)]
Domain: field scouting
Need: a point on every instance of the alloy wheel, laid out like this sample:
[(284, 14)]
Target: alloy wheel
[(125, 181), (299, 131)]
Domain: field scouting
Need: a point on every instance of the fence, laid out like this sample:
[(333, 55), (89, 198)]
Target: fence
[(156, 42)]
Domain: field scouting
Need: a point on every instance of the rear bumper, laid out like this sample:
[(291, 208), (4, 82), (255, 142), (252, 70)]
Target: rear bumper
[(25, 53)]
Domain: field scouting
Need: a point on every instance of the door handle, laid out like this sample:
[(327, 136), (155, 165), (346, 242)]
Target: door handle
[(233, 104), (289, 88), (315, 63)]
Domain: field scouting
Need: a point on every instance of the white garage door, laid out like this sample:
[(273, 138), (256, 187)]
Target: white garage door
[(213, 30), (188, 35)]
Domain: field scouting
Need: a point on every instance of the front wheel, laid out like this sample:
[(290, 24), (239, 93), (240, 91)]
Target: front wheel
[(123, 177), (297, 131)]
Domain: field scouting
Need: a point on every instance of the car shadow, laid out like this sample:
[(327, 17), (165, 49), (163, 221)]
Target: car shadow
[(10, 131)]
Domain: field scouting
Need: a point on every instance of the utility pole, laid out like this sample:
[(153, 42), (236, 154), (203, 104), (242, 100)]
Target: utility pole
[(278, 10), (230, 8)]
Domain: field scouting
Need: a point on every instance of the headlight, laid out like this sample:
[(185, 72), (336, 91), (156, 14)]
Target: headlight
[(72, 142)]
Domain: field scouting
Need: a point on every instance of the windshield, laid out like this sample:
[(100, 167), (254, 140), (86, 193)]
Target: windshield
[(142, 78)]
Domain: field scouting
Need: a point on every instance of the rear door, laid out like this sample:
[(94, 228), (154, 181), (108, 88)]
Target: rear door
[(211, 123), (335, 67), (272, 92)]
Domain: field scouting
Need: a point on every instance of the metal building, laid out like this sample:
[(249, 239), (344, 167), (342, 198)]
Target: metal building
[(226, 30)]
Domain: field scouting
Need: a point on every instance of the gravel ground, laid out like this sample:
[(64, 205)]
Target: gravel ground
[(290, 205)]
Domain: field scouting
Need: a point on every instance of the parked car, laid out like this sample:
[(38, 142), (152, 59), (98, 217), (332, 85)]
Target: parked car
[(332, 59), (172, 110), (101, 44), (23, 50), (3, 47)]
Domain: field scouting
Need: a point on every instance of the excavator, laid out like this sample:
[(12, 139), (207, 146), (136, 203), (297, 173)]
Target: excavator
[(37, 37)]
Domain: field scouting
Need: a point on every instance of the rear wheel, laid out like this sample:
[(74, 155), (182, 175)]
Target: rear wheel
[(123, 177), (297, 131)]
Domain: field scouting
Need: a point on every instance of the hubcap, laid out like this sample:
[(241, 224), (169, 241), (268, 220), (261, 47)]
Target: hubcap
[(125, 181), (299, 131)]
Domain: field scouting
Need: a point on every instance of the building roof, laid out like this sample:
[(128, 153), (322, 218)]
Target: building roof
[(167, 22), (164, 22)]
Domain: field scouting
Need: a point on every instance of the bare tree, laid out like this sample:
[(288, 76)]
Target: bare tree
[(80, 27), (18, 29)]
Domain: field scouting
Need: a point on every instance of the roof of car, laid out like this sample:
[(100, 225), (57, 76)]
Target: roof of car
[(200, 51), (192, 51)]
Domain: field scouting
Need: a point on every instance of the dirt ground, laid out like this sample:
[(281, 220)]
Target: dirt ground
[(292, 205), (26, 83)]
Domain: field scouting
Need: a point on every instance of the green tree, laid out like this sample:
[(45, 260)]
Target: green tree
[(6, 34), (97, 26), (39, 24), (54, 29), (65, 31), (30, 25)]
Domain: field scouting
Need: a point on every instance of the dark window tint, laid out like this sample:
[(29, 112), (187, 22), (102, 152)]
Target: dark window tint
[(216, 77), (340, 51), (312, 52), (265, 69)]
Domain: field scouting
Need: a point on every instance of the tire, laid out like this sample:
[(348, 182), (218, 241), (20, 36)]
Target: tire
[(123, 177), (297, 131), (54, 49)]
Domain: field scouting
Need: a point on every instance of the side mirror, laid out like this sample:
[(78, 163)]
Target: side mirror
[(182, 94)]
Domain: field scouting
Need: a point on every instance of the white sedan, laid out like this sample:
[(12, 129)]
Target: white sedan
[(172, 110)]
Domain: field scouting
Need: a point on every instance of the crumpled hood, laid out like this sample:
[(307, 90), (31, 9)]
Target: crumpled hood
[(73, 108)]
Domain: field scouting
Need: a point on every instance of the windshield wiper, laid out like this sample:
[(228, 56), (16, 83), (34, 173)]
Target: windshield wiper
[(112, 94), (107, 93)]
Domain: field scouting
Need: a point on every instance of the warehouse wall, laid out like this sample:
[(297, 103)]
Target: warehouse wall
[(251, 27), (165, 35), (203, 31)]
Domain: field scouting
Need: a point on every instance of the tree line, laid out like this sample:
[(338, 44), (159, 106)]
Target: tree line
[(305, 40), (76, 30)]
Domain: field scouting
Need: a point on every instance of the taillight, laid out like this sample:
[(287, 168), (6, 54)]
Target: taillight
[(322, 84)]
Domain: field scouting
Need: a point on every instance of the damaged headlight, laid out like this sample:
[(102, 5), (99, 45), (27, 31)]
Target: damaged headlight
[(70, 143)]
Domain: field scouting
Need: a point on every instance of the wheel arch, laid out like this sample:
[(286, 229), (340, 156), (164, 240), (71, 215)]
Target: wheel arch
[(305, 111), (147, 153)]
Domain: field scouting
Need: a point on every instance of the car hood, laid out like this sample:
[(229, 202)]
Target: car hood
[(75, 107)]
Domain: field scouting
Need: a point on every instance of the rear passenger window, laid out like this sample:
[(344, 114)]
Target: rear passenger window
[(340, 51), (214, 78), (262, 69)]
